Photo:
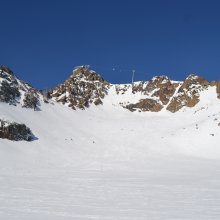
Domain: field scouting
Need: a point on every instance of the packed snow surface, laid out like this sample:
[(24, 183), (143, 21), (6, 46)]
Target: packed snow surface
[(109, 163)]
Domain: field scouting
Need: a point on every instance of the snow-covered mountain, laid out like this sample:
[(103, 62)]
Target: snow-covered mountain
[(16, 92), (174, 110), (85, 87), (89, 149)]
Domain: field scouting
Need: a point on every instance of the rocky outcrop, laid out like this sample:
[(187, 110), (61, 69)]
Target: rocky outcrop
[(161, 87), (15, 132), (122, 89), (9, 92), (158, 92), (218, 89), (14, 91), (31, 100), (137, 87), (189, 93), (145, 105), (4, 70), (83, 88), (162, 92)]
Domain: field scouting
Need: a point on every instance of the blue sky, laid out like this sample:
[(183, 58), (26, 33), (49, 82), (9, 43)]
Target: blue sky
[(42, 40)]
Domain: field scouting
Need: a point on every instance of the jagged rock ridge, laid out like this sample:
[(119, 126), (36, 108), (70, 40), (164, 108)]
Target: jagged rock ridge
[(14, 91), (159, 91), (189, 92), (83, 88), (163, 93)]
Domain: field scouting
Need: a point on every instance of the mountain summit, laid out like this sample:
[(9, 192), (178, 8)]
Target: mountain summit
[(14, 91), (83, 88)]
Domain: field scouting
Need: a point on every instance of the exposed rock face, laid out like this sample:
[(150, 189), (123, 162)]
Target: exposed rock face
[(81, 89), (31, 99), (218, 89), (158, 92), (15, 132), (162, 92), (9, 92), (14, 91), (145, 105), (189, 93), (161, 87), (122, 89), (139, 87), (134, 88), (213, 83), (98, 101), (6, 69)]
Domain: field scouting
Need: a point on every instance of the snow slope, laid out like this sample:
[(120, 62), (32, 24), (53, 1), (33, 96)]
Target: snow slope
[(108, 163)]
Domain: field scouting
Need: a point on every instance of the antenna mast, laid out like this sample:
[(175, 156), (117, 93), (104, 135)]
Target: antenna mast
[(133, 72)]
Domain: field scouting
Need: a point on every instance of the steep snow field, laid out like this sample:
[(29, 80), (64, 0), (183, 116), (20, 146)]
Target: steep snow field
[(108, 163)]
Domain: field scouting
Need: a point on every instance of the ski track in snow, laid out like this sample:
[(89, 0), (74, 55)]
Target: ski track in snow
[(108, 163)]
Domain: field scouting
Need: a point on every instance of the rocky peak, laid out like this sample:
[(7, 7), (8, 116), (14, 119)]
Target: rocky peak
[(14, 91), (161, 92), (158, 92), (83, 88), (6, 70), (7, 74), (161, 87), (83, 72), (195, 82), (189, 93), (156, 82)]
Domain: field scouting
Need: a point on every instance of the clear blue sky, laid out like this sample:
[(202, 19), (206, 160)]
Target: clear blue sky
[(42, 40)]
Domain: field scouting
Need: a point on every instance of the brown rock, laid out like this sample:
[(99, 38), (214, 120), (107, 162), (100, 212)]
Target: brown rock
[(83, 87), (213, 83), (98, 101), (145, 105), (188, 94), (138, 87), (164, 88), (218, 89)]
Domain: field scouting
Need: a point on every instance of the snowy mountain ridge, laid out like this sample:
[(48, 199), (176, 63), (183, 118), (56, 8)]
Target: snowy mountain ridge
[(14, 91), (85, 89)]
